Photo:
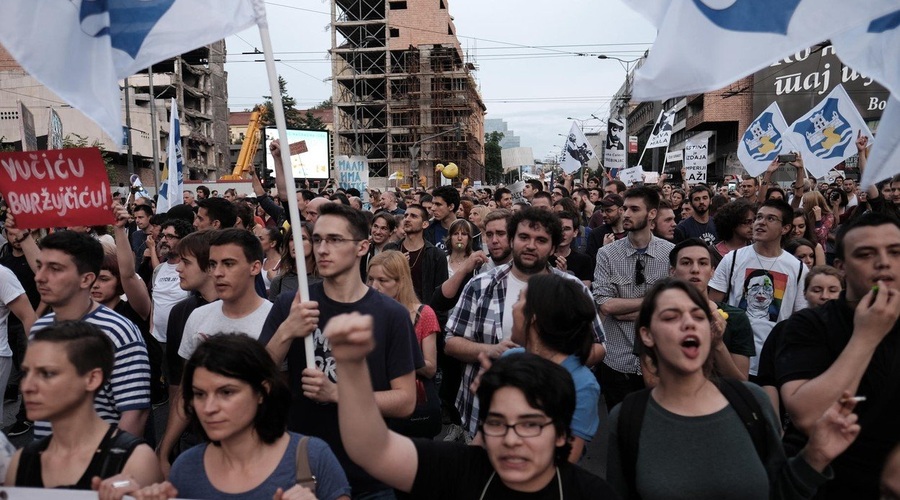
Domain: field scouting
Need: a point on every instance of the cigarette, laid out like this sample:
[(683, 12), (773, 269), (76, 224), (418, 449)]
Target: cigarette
[(856, 399)]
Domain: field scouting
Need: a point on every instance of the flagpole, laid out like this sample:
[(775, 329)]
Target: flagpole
[(293, 208), (665, 160)]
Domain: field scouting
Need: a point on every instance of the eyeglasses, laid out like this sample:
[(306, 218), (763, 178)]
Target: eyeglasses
[(170, 236), (770, 219), (497, 428), (331, 240), (639, 278), (747, 222)]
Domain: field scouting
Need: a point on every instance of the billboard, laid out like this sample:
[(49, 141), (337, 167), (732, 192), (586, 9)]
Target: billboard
[(312, 164), (798, 82)]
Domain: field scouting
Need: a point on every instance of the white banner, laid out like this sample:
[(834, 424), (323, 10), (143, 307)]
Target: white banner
[(764, 139), (826, 135), (513, 158), (662, 131), (172, 186), (673, 156), (695, 160), (352, 172), (614, 150), (81, 49), (631, 175), (705, 45), (578, 151)]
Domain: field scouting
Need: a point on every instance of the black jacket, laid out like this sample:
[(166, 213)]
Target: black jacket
[(434, 269)]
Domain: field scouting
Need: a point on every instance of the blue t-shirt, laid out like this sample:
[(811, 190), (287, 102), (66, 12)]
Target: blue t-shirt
[(587, 394), (440, 234), (189, 476)]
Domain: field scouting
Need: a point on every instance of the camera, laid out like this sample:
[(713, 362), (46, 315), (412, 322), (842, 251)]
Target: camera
[(835, 196), (788, 158)]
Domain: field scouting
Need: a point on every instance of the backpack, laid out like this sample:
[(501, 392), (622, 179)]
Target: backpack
[(631, 419)]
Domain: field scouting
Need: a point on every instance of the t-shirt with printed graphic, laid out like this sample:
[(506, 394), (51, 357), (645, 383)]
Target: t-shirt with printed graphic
[(769, 289), (210, 320)]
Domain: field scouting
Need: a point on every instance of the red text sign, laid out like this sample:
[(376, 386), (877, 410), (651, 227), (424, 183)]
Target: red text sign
[(56, 188)]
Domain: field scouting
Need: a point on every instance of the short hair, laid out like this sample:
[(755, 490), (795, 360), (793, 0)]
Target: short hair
[(563, 190), (543, 195), (449, 194), (747, 177), (794, 243), (562, 312), (340, 198), (356, 221), (535, 217), (648, 195), (244, 212), (143, 208), (787, 213), (237, 356), (195, 244), (86, 252), (570, 216), (422, 210), (498, 214), (86, 346), (158, 219), (231, 190), (620, 186), (820, 270), (248, 242), (204, 190), (221, 210), (700, 188), (426, 198), (535, 184), (353, 192), (499, 192), (730, 216), (182, 228), (306, 194), (775, 189), (688, 243), (546, 386), (869, 219), (181, 212), (387, 218)]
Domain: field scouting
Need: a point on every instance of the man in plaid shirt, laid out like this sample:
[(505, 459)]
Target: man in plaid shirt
[(482, 322)]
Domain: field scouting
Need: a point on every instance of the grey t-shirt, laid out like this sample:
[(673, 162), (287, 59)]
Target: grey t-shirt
[(209, 320)]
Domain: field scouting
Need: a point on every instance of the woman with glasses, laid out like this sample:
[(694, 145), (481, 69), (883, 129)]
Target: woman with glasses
[(527, 403), (237, 401), (688, 437)]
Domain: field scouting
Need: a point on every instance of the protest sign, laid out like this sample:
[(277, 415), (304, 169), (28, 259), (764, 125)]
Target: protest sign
[(56, 188), (673, 156), (631, 175), (695, 158), (353, 172)]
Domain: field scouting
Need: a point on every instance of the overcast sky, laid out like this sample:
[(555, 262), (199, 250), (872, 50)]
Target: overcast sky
[(525, 50)]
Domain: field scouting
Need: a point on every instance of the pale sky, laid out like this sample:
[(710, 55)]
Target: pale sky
[(526, 53)]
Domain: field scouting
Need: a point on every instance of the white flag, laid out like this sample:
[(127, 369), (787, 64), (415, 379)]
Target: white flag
[(577, 152), (705, 45), (662, 131), (826, 134), (173, 183), (875, 51), (79, 49), (764, 140)]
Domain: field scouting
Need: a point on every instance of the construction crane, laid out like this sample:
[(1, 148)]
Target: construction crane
[(248, 148)]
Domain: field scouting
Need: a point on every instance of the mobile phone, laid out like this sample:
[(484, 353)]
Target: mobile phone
[(787, 158)]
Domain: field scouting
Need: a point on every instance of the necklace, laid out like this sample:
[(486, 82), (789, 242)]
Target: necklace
[(558, 482), (767, 269), (407, 253)]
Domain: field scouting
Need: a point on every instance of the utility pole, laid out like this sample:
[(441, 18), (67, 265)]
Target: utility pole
[(154, 131), (128, 129)]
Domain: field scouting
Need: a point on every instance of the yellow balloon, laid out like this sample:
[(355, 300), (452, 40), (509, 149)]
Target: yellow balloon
[(450, 171), (439, 167), (466, 181)]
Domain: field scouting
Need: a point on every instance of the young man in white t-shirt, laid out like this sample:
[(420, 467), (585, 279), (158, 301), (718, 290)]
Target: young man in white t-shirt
[(762, 279)]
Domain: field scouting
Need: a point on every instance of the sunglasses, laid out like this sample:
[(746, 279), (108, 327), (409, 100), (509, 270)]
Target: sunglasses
[(639, 278)]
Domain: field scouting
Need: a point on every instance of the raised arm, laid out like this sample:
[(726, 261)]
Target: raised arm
[(386, 455), (135, 290), (23, 236), (280, 181)]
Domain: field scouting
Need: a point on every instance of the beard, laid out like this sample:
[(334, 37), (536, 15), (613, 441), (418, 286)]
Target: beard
[(538, 266), (700, 211), (638, 224), (502, 256)]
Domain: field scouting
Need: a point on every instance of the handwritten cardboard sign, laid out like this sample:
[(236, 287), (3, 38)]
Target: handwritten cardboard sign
[(56, 188), (353, 172)]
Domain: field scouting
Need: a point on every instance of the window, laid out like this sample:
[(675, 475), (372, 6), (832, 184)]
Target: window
[(395, 32), (398, 5)]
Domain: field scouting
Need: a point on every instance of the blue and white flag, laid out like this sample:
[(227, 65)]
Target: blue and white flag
[(826, 135), (875, 51), (80, 49), (173, 177), (764, 140), (705, 45)]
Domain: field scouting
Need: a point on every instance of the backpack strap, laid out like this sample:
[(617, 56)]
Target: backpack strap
[(305, 476), (116, 450), (631, 418), (799, 275), (731, 274), (750, 412)]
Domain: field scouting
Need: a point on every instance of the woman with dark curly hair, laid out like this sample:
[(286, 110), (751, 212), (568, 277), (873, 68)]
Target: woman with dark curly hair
[(734, 223)]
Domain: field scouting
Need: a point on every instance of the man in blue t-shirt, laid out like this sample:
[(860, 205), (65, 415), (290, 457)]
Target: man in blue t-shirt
[(699, 224)]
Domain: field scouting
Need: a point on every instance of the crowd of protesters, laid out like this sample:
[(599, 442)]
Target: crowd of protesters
[(744, 342)]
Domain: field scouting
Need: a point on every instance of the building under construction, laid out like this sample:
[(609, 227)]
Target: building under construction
[(404, 96)]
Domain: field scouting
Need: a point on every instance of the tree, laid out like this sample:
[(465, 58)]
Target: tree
[(78, 141), (311, 122), (326, 104), (291, 116), (493, 164)]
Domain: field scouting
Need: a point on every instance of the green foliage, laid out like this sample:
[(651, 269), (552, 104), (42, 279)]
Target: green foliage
[(78, 141), (326, 104), (4, 146), (493, 164), (292, 116)]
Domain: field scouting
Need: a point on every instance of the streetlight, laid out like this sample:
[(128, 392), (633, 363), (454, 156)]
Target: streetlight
[(624, 99)]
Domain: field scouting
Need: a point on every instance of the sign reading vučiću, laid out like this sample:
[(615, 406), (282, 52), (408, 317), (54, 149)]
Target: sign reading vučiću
[(56, 188)]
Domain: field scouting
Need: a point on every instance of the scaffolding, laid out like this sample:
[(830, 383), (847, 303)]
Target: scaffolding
[(392, 101)]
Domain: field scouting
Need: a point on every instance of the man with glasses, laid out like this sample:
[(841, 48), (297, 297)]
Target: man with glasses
[(625, 270), (167, 291), (762, 279), (340, 239)]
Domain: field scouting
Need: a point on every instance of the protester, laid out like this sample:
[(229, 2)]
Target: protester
[(803, 249), (238, 403), (734, 225), (288, 280), (692, 423), (530, 396), (459, 245), (383, 225), (427, 263), (700, 223), (271, 240), (664, 224), (804, 228)]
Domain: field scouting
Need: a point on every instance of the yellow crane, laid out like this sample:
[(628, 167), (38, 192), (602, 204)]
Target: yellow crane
[(248, 148)]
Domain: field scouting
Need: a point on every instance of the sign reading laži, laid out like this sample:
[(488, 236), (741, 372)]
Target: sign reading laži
[(56, 188)]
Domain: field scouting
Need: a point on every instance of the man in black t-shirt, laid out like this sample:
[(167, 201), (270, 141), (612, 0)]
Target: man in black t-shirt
[(699, 224), (611, 229), (566, 258), (851, 345), (339, 241)]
